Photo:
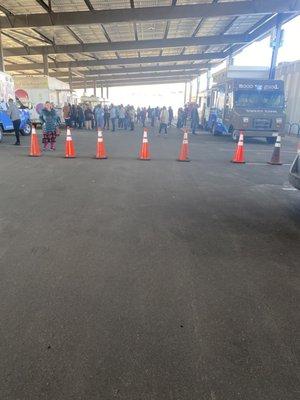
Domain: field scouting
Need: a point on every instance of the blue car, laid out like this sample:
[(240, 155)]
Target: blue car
[(6, 124)]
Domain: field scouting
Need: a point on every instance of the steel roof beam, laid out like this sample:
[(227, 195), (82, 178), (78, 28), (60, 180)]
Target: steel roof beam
[(206, 10), (45, 6), (119, 61), (259, 32), (109, 82), (128, 45), (138, 76), (154, 68), (80, 85)]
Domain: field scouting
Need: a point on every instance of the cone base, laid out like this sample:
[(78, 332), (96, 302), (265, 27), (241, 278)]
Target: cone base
[(274, 163), (144, 159), (100, 158), (34, 155), (70, 157), (187, 160), (238, 162)]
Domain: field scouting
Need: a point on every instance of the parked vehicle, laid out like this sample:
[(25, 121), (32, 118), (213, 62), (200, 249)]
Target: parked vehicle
[(294, 175), (33, 91), (7, 92), (255, 106)]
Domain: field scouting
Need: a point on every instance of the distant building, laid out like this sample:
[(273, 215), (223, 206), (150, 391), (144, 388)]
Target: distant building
[(289, 72)]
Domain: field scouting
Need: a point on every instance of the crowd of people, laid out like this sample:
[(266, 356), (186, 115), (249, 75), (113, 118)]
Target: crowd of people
[(116, 116), (113, 117)]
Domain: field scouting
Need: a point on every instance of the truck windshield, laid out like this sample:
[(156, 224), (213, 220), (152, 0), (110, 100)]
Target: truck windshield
[(259, 99)]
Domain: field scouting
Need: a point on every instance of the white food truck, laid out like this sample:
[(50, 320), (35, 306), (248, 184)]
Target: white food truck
[(34, 90)]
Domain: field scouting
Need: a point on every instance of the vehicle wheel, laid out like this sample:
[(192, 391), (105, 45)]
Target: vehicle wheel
[(1, 134), (214, 131), (271, 140), (26, 131), (235, 136)]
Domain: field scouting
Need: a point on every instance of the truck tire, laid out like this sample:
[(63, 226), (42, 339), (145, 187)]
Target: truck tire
[(26, 131), (271, 140), (1, 134)]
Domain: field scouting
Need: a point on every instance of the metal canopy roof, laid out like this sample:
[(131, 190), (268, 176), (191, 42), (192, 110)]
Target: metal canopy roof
[(118, 42)]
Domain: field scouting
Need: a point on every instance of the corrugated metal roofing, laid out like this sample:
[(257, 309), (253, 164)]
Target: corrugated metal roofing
[(119, 32)]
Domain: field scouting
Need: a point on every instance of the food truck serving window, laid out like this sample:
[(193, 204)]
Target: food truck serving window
[(266, 99)]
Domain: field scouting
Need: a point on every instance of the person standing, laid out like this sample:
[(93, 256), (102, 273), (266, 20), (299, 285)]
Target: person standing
[(164, 119), (180, 118), (194, 119), (113, 116), (67, 114), (131, 112), (88, 118), (73, 116), (121, 115), (99, 116), (143, 116), (152, 116), (171, 115), (106, 117), (80, 117), (15, 116), (49, 120)]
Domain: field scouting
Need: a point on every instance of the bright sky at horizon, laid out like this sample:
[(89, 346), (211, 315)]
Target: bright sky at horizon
[(257, 54)]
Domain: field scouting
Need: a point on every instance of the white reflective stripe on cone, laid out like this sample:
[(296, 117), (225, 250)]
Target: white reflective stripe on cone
[(185, 141), (69, 138), (145, 140)]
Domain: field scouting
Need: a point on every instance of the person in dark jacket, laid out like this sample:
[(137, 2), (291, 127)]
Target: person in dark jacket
[(80, 117), (73, 116), (88, 118), (49, 120)]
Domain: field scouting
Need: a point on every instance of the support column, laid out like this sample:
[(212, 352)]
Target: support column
[(208, 79), (275, 44), (190, 95), (84, 86), (46, 64), (95, 88), (107, 92), (2, 66), (70, 79), (101, 91), (185, 92), (198, 89), (230, 60)]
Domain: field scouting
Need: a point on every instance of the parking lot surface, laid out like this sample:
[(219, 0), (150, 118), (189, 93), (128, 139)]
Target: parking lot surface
[(159, 280)]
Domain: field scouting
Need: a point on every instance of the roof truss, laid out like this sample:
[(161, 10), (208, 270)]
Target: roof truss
[(205, 10)]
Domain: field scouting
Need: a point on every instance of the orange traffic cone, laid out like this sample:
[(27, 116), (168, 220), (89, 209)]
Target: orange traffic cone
[(144, 152), (100, 150), (70, 150), (184, 150), (238, 156), (34, 150), (275, 159)]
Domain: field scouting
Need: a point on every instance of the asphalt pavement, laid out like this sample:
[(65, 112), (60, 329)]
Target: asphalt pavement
[(159, 280)]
